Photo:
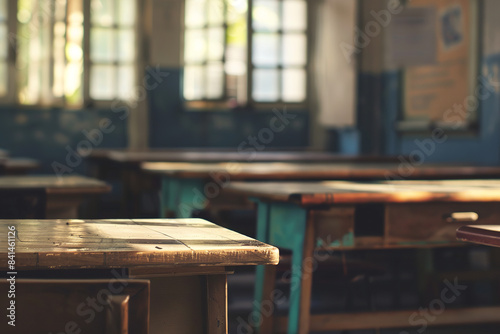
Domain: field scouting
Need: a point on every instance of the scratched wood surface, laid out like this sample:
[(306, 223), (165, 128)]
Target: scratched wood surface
[(347, 192), (316, 171), (54, 184), (44, 244), (15, 166), (192, 155), (480, 234)]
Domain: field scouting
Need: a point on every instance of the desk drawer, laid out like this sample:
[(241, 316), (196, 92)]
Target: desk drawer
[(435, 222)]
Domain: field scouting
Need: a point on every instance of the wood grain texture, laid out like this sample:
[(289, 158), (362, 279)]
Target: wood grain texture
[(235, 170), (46, 244), (346, 192), (480, 234), (216, 304), (54, 184), (428, 222)]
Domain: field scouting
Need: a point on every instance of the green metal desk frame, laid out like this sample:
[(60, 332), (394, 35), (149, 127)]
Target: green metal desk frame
[(181, 196), (283, 225)]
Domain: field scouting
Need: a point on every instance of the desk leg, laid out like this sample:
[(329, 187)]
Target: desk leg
[(216, 304), (265, 275), (293, 228), (425, 266), (190, 197), (181, 197), (167, 200)]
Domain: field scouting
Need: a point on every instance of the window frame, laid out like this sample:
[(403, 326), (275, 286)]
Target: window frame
[(88, 101), (11, 93), (55, 102), (222, 104), (251, 67)]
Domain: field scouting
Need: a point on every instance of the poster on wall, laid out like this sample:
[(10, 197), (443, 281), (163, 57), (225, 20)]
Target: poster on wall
[(432, 90)]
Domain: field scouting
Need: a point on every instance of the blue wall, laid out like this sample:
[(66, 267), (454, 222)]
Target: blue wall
[(47, 134), (171, 125)]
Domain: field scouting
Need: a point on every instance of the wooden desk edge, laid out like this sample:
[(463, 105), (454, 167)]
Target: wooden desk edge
[(99, 189), (474, 235), (264, 255)]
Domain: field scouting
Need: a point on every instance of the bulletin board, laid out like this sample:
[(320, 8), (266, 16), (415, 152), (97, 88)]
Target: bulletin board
[(431, 89)]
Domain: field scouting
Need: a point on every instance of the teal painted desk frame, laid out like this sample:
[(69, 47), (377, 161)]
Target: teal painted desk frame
[(280, 224), (283, 225), (286, 226), (181, 196), (289, 226)]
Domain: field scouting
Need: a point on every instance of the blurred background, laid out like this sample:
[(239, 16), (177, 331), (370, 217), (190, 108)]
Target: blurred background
[(418, 80), (359, 77)]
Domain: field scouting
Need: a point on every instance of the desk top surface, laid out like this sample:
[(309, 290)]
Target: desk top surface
[(24, 163), (485, 235), (346, 192), (317, 171), (54, 184), (17, 166), (200, 155), (44, 244)]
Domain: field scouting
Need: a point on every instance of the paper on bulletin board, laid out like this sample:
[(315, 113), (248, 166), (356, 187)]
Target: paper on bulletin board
[(411, 38), (430, 90)]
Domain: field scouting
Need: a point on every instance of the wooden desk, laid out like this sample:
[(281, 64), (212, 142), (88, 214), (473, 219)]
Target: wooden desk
[(189, 186), (52, 196), (17, 166), (344, 215), (225, 155), (484, 235), (125, 164), (186, 261)]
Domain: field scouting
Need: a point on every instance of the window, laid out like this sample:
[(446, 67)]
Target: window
[(112, 49), (41, 58), (52, 38), (279, 50), (215, 49), (4, 47), (217, 61)]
